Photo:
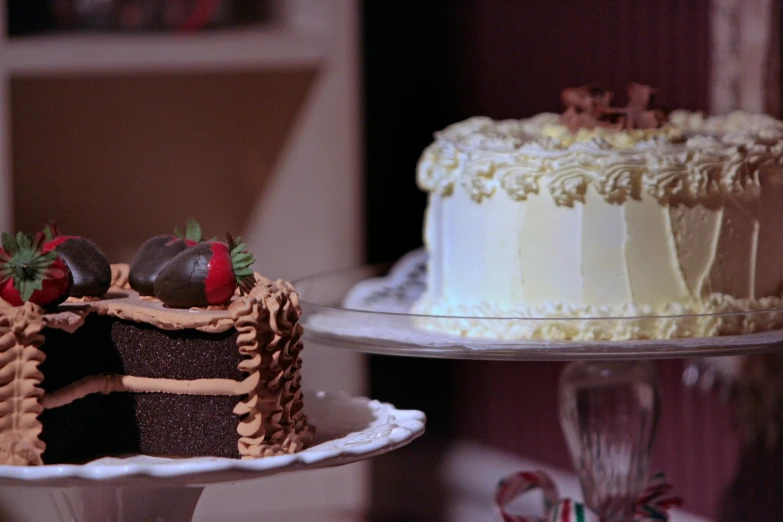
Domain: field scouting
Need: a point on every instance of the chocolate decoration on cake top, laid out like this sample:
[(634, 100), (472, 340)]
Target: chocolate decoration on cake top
[(206, 274), (156, 253), (151, 258), (88, 264), (590, 106)]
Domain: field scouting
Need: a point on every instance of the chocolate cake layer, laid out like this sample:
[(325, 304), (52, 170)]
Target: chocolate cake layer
[(188, 425), (94, 426), (151, 423), (146, 351), (88, 351)]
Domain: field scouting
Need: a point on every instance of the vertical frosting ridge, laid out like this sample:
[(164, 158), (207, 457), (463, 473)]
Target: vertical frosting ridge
[(753, 258), (20, 394), (269, 334), (602, 252), (678, 269), (705, 287), (624, 253)]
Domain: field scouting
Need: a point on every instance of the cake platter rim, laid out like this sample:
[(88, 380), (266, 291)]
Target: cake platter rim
[(454, 347), (349, 328), (389, 429)]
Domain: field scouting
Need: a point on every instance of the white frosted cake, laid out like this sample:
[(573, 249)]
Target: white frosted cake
[(604, 212)]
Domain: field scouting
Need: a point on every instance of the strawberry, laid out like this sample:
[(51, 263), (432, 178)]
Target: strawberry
[(206, 274), (156, 252), (88, 265), (27, 273)]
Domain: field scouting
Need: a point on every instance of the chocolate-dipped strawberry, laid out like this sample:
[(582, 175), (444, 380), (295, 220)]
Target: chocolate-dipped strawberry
[(206, 274), (155, 254), (88, 265), (28, 273)]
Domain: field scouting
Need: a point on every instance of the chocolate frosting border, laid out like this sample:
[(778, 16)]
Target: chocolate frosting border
[(124, 303), (274, 421), (20, 394)]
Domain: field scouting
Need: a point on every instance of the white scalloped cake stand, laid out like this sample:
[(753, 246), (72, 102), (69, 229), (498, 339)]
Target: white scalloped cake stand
[(144, 489)]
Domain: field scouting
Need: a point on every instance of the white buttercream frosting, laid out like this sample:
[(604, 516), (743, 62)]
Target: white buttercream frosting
[(683, 219), (675, 165), (719, 314)]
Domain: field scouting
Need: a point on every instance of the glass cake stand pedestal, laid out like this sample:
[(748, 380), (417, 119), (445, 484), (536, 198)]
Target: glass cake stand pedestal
[(145, 489), (609, 392)]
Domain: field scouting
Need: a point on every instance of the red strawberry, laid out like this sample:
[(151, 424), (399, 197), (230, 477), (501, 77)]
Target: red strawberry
[(156, 252), (30, 274), (206, 274), (88, 265)]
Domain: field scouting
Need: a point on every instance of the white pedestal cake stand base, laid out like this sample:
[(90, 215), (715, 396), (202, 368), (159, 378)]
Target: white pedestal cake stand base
[(145, 489)]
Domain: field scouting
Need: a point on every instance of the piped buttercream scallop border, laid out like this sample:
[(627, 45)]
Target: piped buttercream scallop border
[(718, 315), (702, 168)]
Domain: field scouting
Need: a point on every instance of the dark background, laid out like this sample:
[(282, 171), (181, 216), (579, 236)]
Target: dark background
[(408, 94)]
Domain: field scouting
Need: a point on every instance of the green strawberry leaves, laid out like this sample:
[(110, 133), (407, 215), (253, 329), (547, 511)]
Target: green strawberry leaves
[(26, 287), (50, 231), (192, 231), (9, 243), (241, 260), (24, 262)]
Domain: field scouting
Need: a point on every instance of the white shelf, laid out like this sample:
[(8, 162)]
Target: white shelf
[(261, 47)]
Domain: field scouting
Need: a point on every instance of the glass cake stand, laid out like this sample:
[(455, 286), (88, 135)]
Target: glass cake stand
[(609, 393), (144, 489)]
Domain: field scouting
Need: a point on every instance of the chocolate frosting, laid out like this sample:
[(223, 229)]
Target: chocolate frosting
[(20, 338), (590, 106), (109, 383), (274, 422), (119, 276)]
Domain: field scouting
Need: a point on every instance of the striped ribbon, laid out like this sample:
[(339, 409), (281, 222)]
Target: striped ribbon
[(652, 506)]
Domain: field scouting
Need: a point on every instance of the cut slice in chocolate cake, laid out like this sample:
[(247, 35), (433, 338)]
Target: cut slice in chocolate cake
[(124, 375)]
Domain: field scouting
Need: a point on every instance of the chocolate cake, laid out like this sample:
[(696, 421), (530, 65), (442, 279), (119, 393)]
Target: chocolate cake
[(124, 374)]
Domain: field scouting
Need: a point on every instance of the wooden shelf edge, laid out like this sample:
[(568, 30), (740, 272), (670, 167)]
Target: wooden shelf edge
[(118, 53)]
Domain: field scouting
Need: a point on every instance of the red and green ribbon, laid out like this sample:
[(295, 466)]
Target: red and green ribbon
[(652, 506)]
